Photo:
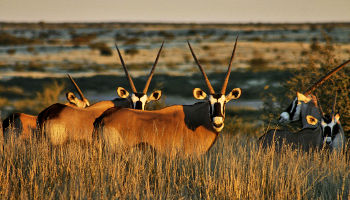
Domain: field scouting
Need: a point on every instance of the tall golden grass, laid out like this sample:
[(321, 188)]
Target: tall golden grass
[(235, 168)]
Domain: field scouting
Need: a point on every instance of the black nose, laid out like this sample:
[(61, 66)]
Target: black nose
[(217, 110), (138, 105)]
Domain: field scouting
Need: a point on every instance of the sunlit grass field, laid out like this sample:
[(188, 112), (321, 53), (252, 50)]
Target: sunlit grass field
[(235, 168)]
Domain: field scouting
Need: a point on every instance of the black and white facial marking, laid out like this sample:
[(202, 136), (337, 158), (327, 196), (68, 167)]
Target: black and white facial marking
[(217, 105), (292, 113), (138, 100), (330, 128), (217, 110)]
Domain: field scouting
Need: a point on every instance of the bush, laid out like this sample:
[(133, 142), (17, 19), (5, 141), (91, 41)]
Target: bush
[(8, 39), (320, 60), (102, 47)]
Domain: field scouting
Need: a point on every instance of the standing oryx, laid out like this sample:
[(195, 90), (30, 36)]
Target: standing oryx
[(305, 108), (333, 132), (61, 123), (326, 131), (306, 101), (22, 125), (185, 129)]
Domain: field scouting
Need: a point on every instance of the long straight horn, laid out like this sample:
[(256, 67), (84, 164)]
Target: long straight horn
[(133, 88), (76, 87), (152, 70), (324, 78), (211, 90), (335, 103), (224, 85), (319, 105)]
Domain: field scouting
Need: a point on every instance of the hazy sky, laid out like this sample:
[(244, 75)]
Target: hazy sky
[(230, 11)]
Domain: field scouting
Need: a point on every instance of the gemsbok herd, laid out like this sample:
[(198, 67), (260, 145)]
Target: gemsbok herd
[(179, 129)]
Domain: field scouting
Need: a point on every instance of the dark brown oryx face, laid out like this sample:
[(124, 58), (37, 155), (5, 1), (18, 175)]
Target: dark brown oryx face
[(138, 100), (217, 104), (294, 110), (75, 101), (330, 127)]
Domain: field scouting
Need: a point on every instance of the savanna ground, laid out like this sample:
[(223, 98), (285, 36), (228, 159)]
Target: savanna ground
[(273, 61)]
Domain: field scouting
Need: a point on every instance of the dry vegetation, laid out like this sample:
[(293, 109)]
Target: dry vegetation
[(235, 168)]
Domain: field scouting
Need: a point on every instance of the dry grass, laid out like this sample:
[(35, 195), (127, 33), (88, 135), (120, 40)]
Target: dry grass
[(234, 168)]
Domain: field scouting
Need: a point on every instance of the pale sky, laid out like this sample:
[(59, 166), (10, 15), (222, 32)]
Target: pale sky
[(227, 11)]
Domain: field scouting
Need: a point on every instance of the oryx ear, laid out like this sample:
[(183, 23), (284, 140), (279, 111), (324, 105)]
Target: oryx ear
[(155, 96), (122, 93), (337, 117), (234, 94), (199, 93), (311, 120), (71, 97), (303, 98)]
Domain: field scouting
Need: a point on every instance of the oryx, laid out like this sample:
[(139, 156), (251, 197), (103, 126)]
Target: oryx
[(184, 129), (61, 123), (22, 125), (333, 132), (306, 138), (306, 101)]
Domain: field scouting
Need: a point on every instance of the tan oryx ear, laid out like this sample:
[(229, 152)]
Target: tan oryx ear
[(337, 117), (122, 93), (71, 97), (199, 93), (303, 98), (234, 94), (155, 96), (311, 120)]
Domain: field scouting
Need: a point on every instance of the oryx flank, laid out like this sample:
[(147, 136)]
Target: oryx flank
[(305, 103), (326, 132), (22, 125), (184, 129), (60, 123), (306, 138)]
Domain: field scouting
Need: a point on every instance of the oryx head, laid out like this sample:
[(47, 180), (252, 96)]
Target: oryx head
[(330, 124), (80, 103), (304, 100), (138, 100), (217, 101), (293, 112)]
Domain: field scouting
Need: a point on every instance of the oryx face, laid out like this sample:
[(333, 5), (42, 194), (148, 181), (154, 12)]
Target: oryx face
[(293, 112), (217, 104), (138, 100), (330, 128)]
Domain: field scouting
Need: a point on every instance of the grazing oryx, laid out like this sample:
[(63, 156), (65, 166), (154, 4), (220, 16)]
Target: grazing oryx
[(60, 123), (22, 125), (333, 132), (306, 101), (185, 129)]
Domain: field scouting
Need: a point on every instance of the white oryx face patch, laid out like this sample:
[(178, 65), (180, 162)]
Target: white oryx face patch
[(217, 110), (139, 101), (330, 129), (292, 113)]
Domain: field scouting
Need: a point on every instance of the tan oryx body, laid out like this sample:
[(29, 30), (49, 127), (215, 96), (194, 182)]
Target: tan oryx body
[(23, 125), (60, 123), (184, 129)]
